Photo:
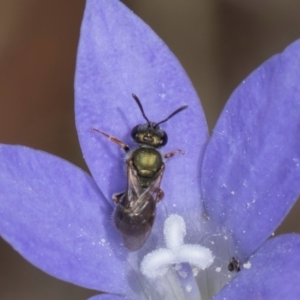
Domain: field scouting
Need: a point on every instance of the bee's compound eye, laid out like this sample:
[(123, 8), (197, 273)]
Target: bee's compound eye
[(134, 132), (163, 140)]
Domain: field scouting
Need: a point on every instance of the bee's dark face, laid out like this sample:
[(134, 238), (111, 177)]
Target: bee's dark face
[(149, 134)]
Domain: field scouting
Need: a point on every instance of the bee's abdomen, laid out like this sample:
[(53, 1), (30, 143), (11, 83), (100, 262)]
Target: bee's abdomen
[(147, 161)]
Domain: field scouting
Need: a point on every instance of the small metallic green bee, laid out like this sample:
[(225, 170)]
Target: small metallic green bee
[(136, 207)]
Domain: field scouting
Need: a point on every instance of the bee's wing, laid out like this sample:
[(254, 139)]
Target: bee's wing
[(141, 196), (134, 189), (142, 206)]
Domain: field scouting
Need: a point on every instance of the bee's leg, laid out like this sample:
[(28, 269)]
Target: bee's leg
[(116, 197), (160, 194), (114, 140), (171, 154)]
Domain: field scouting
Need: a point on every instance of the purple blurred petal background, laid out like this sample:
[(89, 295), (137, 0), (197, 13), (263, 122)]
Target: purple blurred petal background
[(218, 44)]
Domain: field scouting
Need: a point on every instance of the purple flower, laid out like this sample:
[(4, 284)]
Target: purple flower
[(223, 198)]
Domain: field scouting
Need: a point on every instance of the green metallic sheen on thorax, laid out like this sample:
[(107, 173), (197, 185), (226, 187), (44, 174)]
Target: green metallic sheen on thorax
[(147, 161)]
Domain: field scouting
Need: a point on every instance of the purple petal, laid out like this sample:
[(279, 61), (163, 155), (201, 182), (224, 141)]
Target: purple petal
[(56, 217), (251, 172), (106, 297), (274, 272), (120, 55)]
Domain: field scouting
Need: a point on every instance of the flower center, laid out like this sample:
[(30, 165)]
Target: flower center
[(179, 256)]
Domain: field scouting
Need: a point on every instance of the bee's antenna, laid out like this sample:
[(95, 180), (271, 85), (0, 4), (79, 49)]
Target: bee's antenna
[(172, 114), (137, 100)]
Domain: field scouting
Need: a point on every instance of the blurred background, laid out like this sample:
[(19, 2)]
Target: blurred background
[(218, 43)]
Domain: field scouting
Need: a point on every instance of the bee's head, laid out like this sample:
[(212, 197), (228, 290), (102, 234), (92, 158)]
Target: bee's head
[(150, 133)]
